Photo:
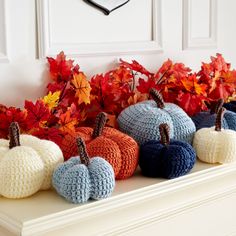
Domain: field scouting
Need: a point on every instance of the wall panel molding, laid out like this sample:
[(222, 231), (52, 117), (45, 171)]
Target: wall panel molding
[(191, 42), (48, 47), (3, 32)]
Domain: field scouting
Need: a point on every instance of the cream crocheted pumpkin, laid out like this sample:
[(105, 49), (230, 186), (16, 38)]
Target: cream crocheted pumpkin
[(26, 164), (215, 145)]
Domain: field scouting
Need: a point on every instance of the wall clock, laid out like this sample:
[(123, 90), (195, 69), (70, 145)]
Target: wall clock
[(107, 6)]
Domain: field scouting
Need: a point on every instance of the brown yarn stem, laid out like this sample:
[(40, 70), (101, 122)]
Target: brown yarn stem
[(219, 117), (217, 107), (164, 130), (14, 135), (84, 157), (100, 123), (157, 98)]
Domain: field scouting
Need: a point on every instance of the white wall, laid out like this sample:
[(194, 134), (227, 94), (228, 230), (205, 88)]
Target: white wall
[(188, 31)]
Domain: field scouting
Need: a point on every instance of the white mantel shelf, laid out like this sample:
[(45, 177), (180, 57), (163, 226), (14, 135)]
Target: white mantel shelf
[(139, 205)]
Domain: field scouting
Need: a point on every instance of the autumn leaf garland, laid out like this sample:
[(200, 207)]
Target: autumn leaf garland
[(73, 100)]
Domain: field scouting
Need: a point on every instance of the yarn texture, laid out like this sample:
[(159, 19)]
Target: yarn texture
[(207, 119), (119, 149), (26, 164), (231, 106), (216, 145), (141, 120), (166, 158), (81, 178)]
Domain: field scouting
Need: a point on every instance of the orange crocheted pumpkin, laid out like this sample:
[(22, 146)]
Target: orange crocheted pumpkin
[(119, 149)]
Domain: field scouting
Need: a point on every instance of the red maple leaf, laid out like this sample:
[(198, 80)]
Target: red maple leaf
[(218, 63), (37, 114), (169, 70), (54, 87), (60, 68), (8, 115), (135, 66), (166, 66), (144, 86), (221, 90), (191, 103), (53, 134)]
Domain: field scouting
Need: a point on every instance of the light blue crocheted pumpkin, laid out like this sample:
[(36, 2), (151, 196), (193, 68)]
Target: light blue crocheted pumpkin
[(141, 121), (207, 119), (82, 178)]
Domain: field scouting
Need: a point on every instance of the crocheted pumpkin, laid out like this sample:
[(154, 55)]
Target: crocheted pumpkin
[(140, 120), (166, 158), (207, 119), (82, 177), (215, 145), (120, 150), (231, 106), (26, 164)]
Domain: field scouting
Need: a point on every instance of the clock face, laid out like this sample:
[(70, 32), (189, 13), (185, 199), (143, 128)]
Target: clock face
[(107, 6)]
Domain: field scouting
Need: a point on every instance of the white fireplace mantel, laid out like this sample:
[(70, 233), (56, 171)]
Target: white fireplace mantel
[(201, 203)]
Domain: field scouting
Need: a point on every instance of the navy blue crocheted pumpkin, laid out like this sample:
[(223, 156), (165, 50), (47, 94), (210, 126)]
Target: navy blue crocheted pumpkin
[(166, 158), (207, 119), (140, 120), (82, 178), (231, 106)]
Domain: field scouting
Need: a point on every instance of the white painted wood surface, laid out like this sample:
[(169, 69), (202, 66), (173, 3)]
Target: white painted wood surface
[(201, 203)]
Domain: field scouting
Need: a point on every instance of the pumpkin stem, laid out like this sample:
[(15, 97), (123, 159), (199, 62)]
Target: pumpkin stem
[(217, 106), (219, 117), (164, 130), (14, 135), (100, 123), (84, 157), (157, 98)]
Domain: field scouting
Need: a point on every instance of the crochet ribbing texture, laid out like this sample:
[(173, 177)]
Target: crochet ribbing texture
[(141, 121)]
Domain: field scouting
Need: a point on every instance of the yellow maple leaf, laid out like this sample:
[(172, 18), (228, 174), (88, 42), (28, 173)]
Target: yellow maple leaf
[(51, 100), (82, 87)]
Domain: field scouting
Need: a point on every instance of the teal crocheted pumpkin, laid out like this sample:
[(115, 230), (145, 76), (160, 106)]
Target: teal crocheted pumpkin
[(141, 120), (82, 177)]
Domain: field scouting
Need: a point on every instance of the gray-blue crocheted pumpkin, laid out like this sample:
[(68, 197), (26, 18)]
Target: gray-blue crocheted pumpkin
[(140, 120), (207, 119), (166, 158), (82, 178)]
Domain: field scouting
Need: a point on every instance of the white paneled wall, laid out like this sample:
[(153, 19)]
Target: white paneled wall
[(199, 24), (3, 33), (149, 31), (96, 34)]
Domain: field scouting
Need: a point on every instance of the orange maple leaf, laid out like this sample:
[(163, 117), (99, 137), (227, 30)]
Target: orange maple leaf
[(191, 84), (82, 88), (121, 76), (67, 123)]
